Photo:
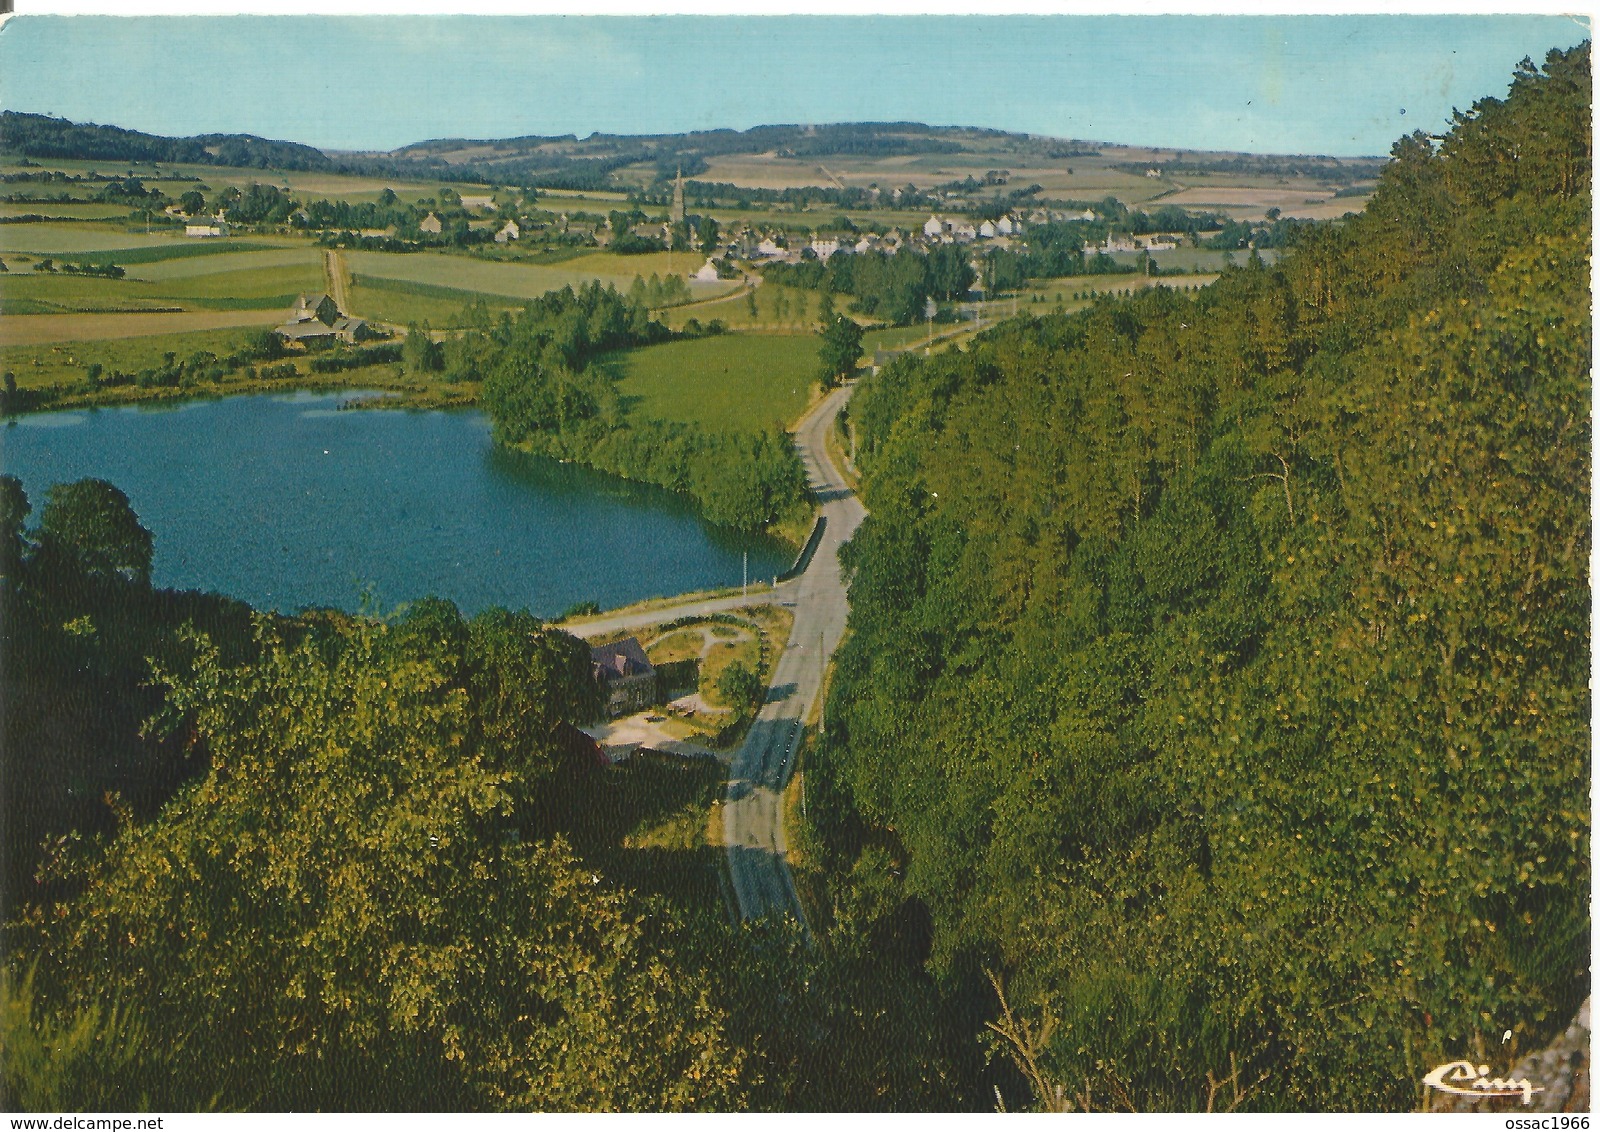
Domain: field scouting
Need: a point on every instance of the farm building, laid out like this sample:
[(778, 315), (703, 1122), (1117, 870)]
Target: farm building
[(708, 272), (508, 233), (317, 320), (626, 677), (477, 202), (431, 224), (202, 229)]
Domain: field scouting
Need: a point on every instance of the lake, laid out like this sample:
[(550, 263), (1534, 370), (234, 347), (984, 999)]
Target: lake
[(289, 501)]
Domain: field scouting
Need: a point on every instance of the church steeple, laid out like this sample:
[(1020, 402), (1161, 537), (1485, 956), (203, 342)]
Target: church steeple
[(678, 212)]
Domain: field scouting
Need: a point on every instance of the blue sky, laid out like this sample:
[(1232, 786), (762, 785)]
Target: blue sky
[(1333, 84)]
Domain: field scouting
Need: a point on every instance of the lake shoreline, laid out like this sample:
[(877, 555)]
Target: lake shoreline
[(292, 497)]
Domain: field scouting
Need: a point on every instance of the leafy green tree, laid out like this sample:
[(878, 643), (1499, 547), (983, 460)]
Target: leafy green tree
[(739, 687), (841, 348), (342, 913), (419, 352), (91, 523), (14, 509)]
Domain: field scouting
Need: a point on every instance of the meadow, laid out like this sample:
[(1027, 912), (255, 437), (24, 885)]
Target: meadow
[(778, 310), (731, 382), (400, 303), (273, 288), (239, 256), (71, 238), (69, 209), (520, 280), (48, 330), (65, 363)]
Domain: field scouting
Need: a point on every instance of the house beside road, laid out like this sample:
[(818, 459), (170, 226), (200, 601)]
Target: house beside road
[(626, 677), (317, 321)]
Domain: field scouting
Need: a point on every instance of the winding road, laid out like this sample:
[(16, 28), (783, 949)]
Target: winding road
[(752, 818)]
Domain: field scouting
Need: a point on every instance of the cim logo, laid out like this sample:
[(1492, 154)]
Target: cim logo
[(1464, 1079)]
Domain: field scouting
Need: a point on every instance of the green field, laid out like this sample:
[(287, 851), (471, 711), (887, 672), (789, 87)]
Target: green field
[(396, 301), (786, 310), (279, 284), (72, 209), (731, 382), (230, 259), (67, 239), (178, 248), (66, 363), (248, 289), (51, 294), (519, 280)]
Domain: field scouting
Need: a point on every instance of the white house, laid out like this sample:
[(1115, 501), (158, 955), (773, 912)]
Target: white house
[(824, 248), (707, 273), (768, 248), (933, 228), (431, 224), (1004, 226), (201, 229), (508, 233), (986, 230)]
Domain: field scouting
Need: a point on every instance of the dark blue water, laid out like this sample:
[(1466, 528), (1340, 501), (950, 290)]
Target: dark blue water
[(288, 501)]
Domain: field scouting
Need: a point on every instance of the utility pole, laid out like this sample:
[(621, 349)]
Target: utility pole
[(744, 582)]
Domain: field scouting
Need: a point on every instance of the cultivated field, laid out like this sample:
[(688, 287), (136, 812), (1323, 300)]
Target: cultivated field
[(69, 209), (401, 303), (48, 329), (731, 382), (519, 280), (65, 239), (225, 261)]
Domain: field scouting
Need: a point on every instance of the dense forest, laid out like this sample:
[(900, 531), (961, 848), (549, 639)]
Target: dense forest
[(1218, 677), (38, 135)]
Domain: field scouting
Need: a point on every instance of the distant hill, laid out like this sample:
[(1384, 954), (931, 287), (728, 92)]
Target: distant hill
[(37, 135), (567, 161)]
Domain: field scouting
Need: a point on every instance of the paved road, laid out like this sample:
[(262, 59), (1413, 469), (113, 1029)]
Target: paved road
[(752, 819), (656, 615)]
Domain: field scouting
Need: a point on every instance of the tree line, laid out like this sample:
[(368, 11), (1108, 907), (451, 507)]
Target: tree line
[(895, 287)]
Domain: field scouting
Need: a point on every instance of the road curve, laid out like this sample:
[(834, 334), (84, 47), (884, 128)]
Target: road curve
[(752, 818)]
